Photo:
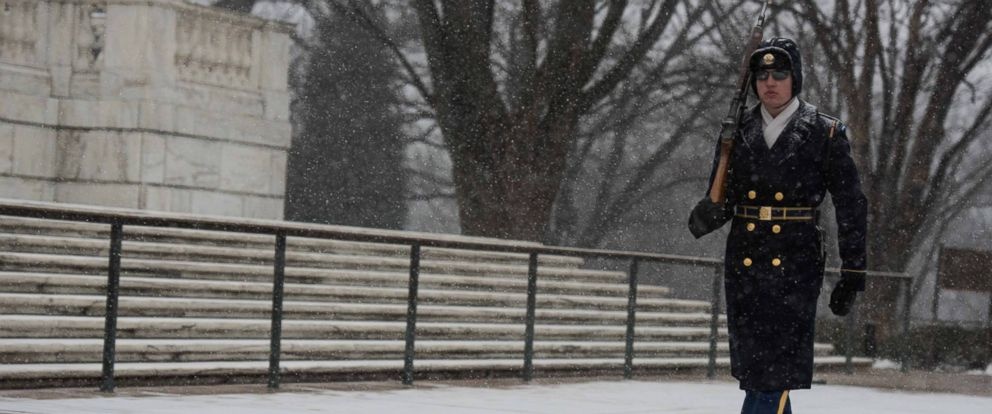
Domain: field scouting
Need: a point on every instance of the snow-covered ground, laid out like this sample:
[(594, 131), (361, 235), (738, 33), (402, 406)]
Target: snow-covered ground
[(619, 397)]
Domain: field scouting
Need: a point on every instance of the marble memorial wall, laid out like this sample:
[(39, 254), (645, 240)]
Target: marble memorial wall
[(148, 104)]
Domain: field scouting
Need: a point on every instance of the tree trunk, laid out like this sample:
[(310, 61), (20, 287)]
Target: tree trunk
[(508, 191)]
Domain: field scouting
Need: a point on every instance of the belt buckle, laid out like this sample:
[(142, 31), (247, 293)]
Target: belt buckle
[(765, 213)]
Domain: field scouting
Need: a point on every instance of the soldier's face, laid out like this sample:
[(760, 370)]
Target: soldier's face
[(774, 93)]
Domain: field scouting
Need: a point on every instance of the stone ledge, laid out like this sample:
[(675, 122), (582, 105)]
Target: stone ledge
[(94, 305), (19, 282), (358, 264), (261, 225), (208, 238), (48, 326), (240, 349), (20, 351), (27, 187), (393, 367), (245, 261)]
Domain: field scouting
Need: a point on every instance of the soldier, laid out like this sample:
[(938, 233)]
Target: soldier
[(786, 157)]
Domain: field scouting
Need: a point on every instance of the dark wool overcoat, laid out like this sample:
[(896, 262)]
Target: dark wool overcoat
[(774, 268)]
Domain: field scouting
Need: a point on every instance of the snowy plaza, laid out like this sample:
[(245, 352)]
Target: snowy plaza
[(615, 397)]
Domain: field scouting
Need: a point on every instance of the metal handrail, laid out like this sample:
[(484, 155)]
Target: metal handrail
[(118, 218)]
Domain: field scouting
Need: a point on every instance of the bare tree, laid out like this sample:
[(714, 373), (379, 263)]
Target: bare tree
[(509, 85), (904, 73)]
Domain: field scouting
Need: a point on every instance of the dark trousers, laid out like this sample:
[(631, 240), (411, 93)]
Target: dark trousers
[(761, 402)]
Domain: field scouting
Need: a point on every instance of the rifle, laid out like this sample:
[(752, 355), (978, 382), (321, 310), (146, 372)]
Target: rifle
[(730, 124)]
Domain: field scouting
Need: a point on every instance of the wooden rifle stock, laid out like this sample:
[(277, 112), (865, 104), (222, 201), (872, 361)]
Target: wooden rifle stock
[(728, 128), (719, 188)]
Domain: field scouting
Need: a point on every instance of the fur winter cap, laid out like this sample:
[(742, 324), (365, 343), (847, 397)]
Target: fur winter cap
[(778, 53)]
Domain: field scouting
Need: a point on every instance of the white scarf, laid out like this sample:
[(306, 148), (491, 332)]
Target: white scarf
[(773, 125)]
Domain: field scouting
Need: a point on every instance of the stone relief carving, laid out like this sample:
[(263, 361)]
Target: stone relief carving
[(90, 36), (213, 52), (18, 31)]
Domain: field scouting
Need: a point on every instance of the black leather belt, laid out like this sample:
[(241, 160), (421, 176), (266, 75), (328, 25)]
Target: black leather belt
[(767, 213)]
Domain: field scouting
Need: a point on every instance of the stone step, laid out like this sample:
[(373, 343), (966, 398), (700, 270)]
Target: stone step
[(51, 326), (570, 279), (92, 305), (31, 226), (21, 282), (13, 375), (24, 351), (213, 254)]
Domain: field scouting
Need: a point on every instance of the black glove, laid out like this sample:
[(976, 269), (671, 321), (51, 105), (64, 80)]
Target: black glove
[(706, 217), (842, 298)]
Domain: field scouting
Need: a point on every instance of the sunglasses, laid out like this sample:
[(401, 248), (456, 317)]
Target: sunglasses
[(776, 74)]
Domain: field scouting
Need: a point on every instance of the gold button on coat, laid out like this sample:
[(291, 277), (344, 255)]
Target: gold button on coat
[(776, 229), (750, 226), (747, 261), (779, 196), (752, 194), (776, 262)]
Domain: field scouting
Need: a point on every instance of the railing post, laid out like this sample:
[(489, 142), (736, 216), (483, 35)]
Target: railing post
[(714, 321), (411, 315), (113, 291), (628, 360), (849, 340), (907, 307), (528, 373), (279, 277)]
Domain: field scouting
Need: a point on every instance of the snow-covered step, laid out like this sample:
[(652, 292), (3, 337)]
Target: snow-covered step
[(18, 282), (21, 351), (227, 271), (94, 305), (209, 270), (50, 326), (203, 371), (31, 226)]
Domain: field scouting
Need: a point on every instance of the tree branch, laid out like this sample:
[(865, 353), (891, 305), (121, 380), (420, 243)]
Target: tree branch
[(632, 57), (357, 13)]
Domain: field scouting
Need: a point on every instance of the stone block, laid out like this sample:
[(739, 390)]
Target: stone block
[(28, 108), (220, 100), (6, 148), (161, 198), (153, 158), (192, 162), (156, 115), (217, 204), (246, 169), (84, 86), (98, 194), (98, 114), (61, 86), (274, 47), (34, 151), (26, 81), (277, 185), (27, 188), (238, 128), (276, 105), (99, 156), (263, 207)]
